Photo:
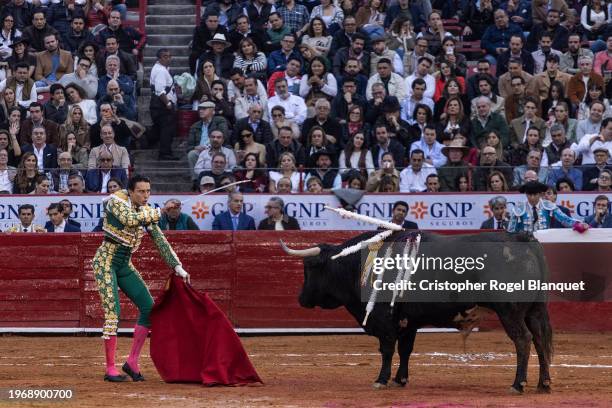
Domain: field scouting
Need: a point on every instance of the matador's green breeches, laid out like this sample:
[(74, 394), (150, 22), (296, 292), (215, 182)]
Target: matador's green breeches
[(113, 269)]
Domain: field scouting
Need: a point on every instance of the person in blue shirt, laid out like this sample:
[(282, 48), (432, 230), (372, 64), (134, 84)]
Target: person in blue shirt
[(496, 38), (601, 215), (537, 213)]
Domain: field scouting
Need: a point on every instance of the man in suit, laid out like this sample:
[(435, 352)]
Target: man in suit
[(591, 172), (127, 63), (399, 213), (552, 73), (56, 222), (45, 153), (36, 120), (121, 158), (601, 216), (97, 179), (47, 73), (499, 220), (67, 212), (520, 125), (234, 219)]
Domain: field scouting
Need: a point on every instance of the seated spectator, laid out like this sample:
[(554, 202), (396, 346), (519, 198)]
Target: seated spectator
[(123, 104), (446, 74), (431, 147), (518, 156), (96, 180), (253, 171), (422, 71), (317, 36), (454, 119), (279, 121), (112, 73), (499, 220), (83, 78), (88, 50), (36, 33), (485, 88), (108, 116), (423, 117), (355, 181), (207, 183), (380, 51), (293, 75), (496, 38), (496, 182), (22, 86), (284, 143), (249, 98), (579, 83), (129, 39), (56, 109), (386, 175), (255, 123), (323, 170), (356, 156), (277, 219), (42, 185), (566, 170), (486, 121), (199, 133), (534, 158), (26, 215), (10, 110), (10, 143), (218, 169), (60, 175), (284, 186), (20, 54), (593, 123), (433, 183), (374, 106), (7, 173), (121, 158), (205, 78), (56, 222), (127, 63), (219, 54), (354, 123), (545, 51), (223, 107), (76, 184), (344, 37), (558, 143), (322, 119), (67, 212), (76, 96), (397, 128), (286, 168), (384, 143), (591, 173), (346, 100), (173, 219), (455, 167), (489, 164), (565, 186), (604, 181), (60, 15), (507, 88), (77, 35), (277, 60), (452, 90), (234, 219), (250, 61), (317, 84), (75, 123), (395, 84), (314, 185), (295, 108), (520, 125), (47, 72), (595, 93), (235, 87), (243, 30), (46, 154), (412, 178), (27, 171), (601, 214), (401, 36), (216, 145), (36, 120), (246, 144), (276, 30), (561, 116)]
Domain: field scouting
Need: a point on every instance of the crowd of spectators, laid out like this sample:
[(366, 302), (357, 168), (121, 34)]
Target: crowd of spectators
[(315, 96)]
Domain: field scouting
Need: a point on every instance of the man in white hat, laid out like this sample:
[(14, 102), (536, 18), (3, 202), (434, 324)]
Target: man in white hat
[(219, 54)]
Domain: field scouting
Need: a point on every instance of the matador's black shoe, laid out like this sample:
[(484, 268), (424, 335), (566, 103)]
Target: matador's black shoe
[(115, 378), (128, 370)]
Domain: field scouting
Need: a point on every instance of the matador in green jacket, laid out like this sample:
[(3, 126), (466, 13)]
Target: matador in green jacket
[(127, 217)]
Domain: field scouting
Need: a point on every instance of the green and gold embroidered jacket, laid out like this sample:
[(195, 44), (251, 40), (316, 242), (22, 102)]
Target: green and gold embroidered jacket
[(124, 224)]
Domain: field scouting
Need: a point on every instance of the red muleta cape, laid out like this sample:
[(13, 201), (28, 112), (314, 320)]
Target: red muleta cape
[(193, 341)]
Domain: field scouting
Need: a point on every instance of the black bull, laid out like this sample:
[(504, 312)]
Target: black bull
[(330, 284)]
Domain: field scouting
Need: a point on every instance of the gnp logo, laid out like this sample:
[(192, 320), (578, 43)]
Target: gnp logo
[(200, 210), (419, 210)]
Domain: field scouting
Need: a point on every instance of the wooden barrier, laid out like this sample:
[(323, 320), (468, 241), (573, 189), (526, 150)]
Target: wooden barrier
[(47, 279)]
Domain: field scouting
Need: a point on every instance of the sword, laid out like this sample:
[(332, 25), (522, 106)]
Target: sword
[(213, 190)]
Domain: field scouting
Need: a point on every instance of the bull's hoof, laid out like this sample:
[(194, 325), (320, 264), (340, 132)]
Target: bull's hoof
[(544, 389), (516, 391), (401, 383), (379, 386)]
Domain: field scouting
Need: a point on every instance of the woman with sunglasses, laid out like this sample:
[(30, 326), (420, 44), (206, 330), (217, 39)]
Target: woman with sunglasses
[(247, 144), (277, 220)]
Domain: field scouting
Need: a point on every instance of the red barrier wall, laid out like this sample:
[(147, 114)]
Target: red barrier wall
[(47, 280)]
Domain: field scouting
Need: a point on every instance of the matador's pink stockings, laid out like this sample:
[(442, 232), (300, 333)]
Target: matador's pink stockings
[(140, 335), (110, 348)]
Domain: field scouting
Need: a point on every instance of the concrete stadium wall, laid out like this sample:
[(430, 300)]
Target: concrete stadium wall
[(46, 280)]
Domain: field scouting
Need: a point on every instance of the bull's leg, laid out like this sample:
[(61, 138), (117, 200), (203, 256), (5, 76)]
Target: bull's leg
[(405, 344), (387, 348), (514, 324), (539, 325)]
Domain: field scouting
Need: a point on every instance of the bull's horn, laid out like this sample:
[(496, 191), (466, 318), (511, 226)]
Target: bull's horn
[(302, 253)]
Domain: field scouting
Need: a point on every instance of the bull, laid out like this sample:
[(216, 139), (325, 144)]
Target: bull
[(332, 283)]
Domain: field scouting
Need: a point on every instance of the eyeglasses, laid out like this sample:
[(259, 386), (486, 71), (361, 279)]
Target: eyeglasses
[(246, 135), (267, 207)]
